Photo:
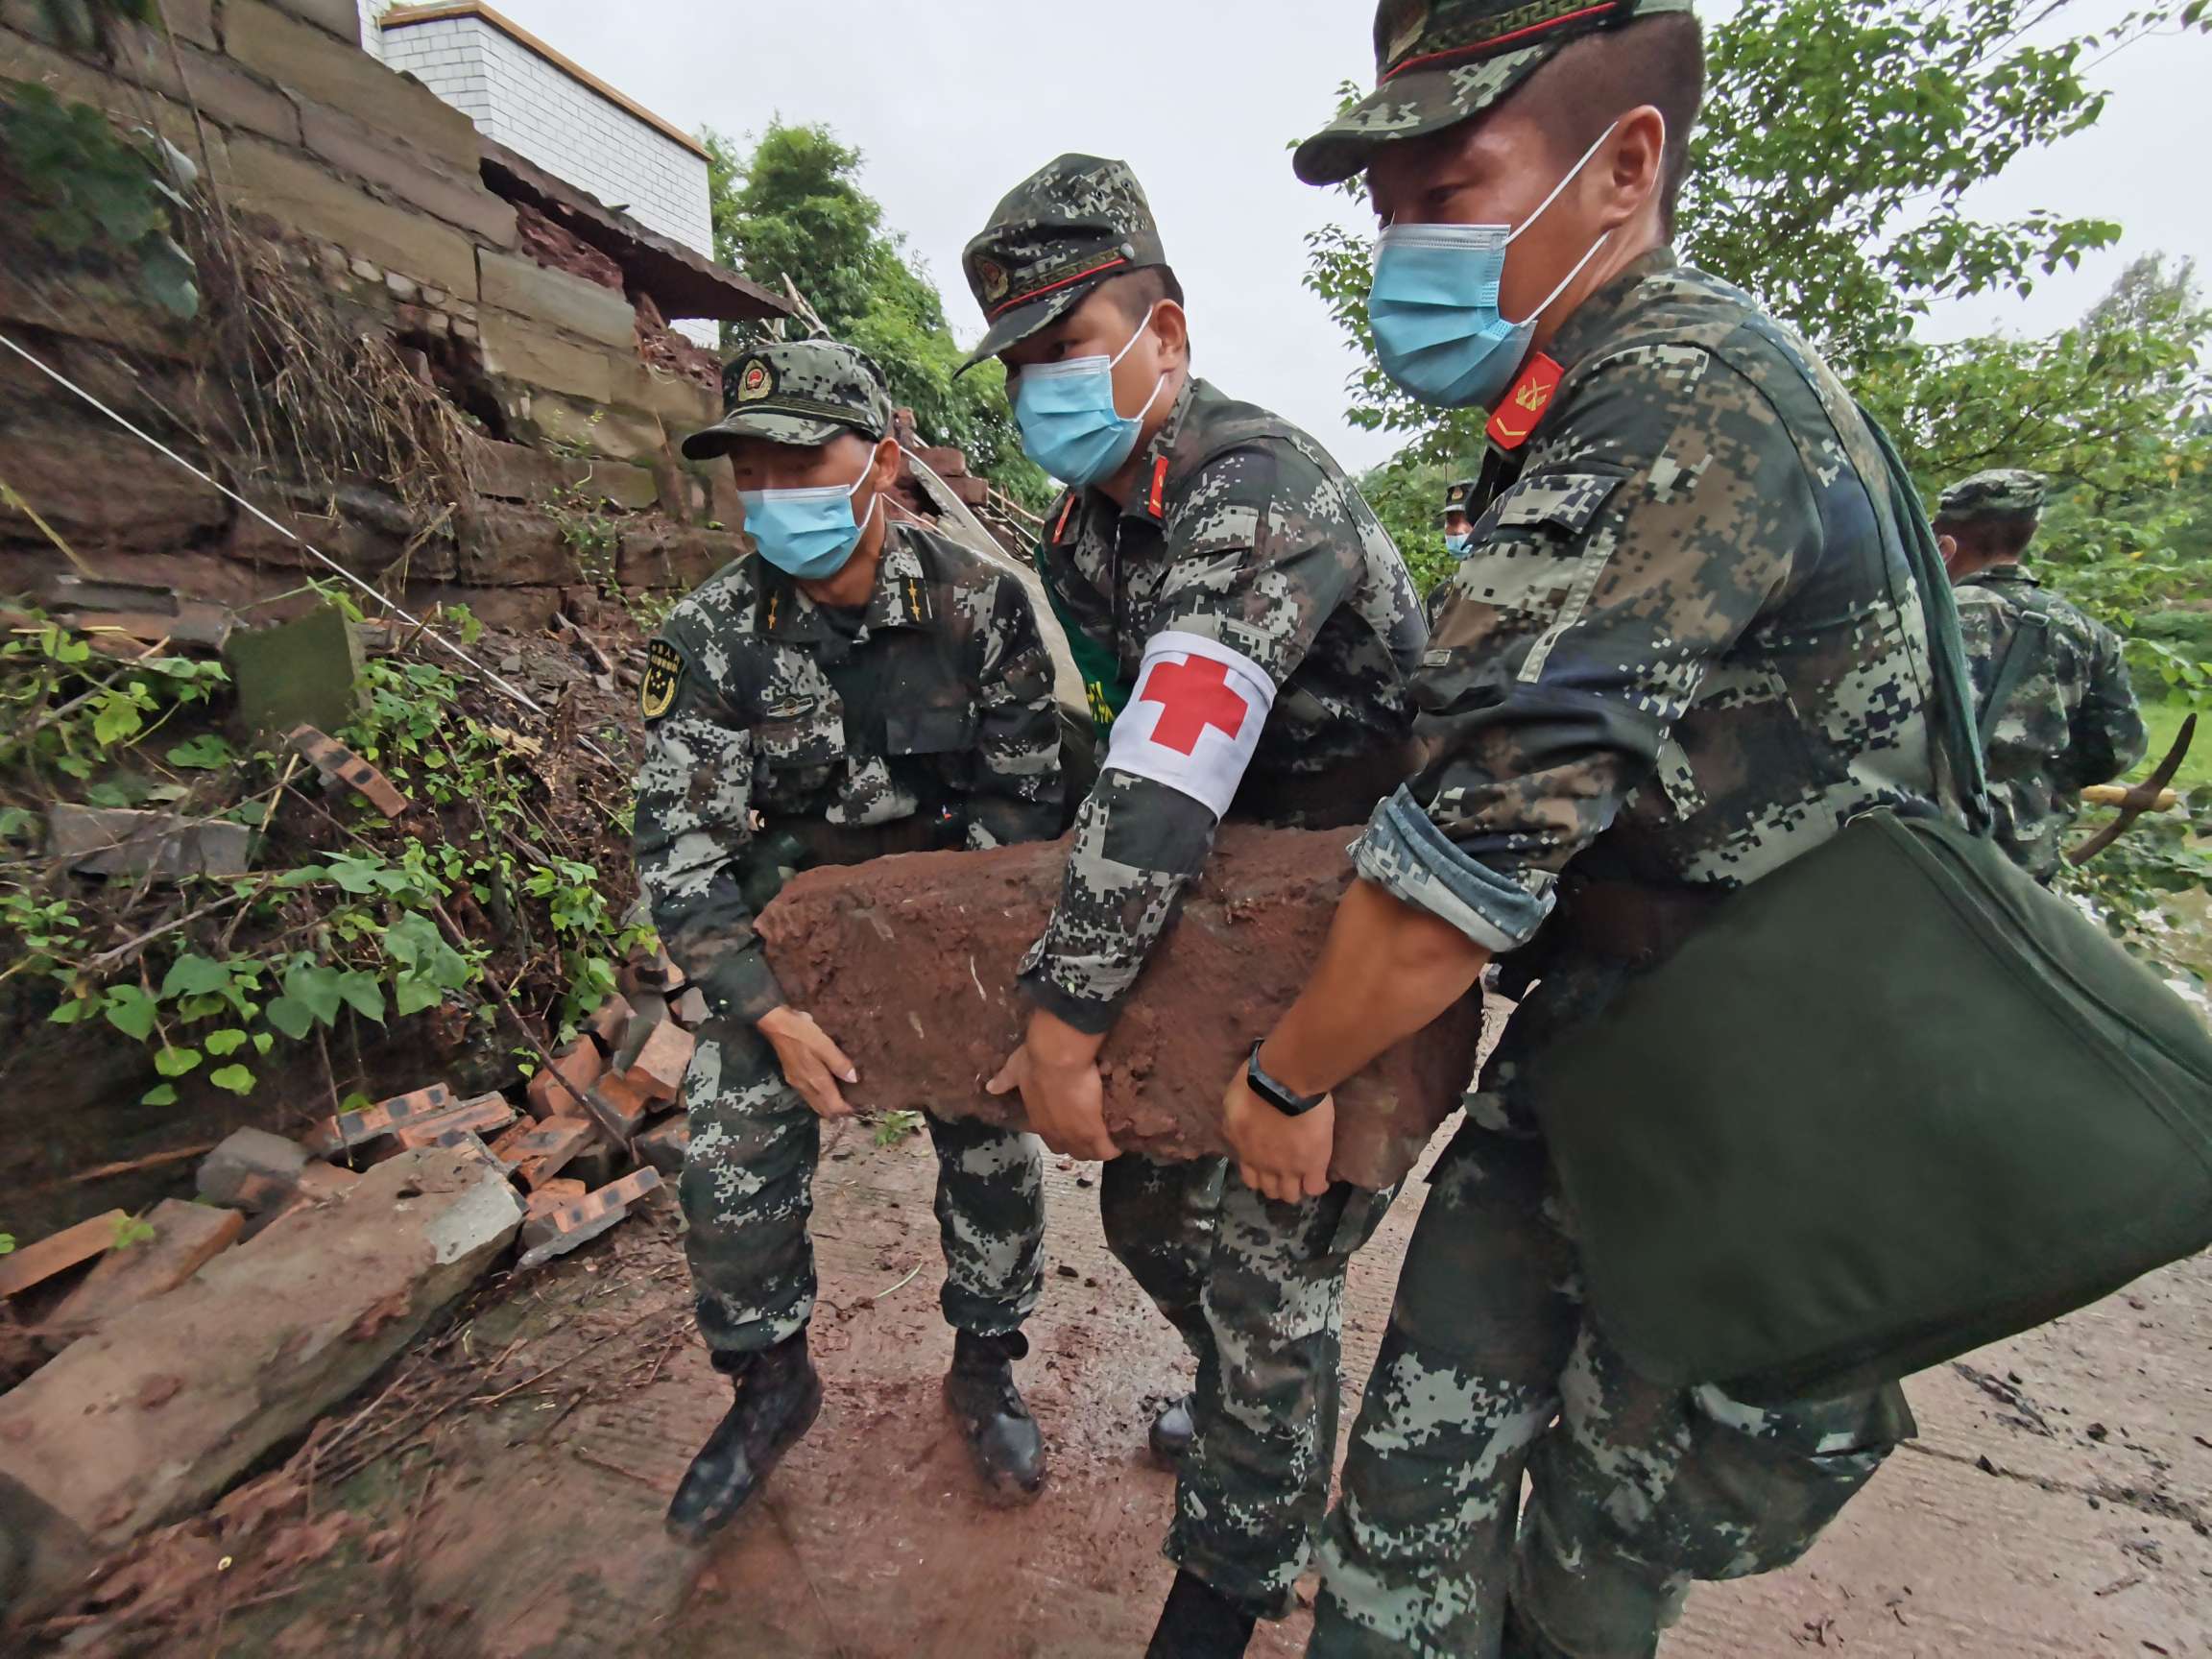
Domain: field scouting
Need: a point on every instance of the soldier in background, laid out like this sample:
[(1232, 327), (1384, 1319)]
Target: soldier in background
[(1456, 524), (858, 689), (2055, 708), (1248, 630)]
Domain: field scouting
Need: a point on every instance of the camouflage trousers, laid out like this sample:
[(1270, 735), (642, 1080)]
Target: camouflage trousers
[(748, 1189), (1256, 1289), (1489, 1369)]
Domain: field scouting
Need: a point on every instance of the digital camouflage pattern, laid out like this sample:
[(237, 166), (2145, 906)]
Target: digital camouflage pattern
[(2069, 721), (1250, 535), (802, 392), (1438, 62), (1686, 648), (1687, 645), (2002, 492), (926, 721), (1256, 1289), (1487, 1372), (1074, 223)]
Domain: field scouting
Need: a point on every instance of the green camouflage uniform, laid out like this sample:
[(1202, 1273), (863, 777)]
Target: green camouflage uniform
[(781, 733), (2069, 719), (1243, 534), (1684, 650)]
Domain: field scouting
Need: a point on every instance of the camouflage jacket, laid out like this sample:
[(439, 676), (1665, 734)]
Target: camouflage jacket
[(1687, 645), (759, 707), (2070, 721), (1243, 532)]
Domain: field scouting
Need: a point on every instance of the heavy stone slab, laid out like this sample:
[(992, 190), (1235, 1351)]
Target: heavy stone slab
[(119, 841), (908, 962), (522, 285), (152, 1416)]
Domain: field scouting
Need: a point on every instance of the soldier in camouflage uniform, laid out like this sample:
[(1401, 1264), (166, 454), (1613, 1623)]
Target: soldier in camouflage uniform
[(1247, 632), (2056, 708), (1685, 648), (1456, 524), (897, 697)]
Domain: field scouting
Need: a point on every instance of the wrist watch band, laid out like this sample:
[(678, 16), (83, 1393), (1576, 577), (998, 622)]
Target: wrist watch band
[(1285, 1099)]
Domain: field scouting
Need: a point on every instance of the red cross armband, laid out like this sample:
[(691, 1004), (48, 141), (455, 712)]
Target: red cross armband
[(1194, 718)]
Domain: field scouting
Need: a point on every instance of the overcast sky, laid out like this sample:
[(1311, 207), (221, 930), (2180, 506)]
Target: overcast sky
[(955, 101)]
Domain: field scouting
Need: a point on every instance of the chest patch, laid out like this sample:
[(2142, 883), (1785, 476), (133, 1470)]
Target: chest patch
[(663, 675)]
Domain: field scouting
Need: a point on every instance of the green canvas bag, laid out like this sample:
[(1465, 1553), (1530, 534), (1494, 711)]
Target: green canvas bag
[(1889, 1103)]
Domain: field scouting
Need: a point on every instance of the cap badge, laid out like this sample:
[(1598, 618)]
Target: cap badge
[(993, 278), (756, 381)]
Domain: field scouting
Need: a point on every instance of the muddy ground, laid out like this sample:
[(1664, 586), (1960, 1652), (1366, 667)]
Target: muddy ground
[(499, 1494)]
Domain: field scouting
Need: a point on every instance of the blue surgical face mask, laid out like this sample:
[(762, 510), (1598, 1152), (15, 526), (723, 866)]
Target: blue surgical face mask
[(1456, 544), (806, 533), (1438, 331), (1069, 424)]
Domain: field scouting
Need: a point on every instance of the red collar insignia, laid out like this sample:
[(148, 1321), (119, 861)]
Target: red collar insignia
[(1523, 407)]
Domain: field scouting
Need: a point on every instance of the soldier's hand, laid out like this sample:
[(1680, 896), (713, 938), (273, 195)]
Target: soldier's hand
[(1056, 1069), (812, 1062), (1279, 1157)]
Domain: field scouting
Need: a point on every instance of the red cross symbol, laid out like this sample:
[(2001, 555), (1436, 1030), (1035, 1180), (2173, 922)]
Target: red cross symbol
[(1192, 695)]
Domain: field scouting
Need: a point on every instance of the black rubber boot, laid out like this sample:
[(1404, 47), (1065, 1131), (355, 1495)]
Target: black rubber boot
[(778, 1396), (1009, 1450), (1172, 1432), (1200, 1623)]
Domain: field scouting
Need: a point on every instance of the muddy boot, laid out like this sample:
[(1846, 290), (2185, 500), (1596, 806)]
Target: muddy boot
[(1172, 1432), (778, 1396), (1200, 1623), (1009, 1451)]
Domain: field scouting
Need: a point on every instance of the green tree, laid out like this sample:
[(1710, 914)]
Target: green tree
[(1830, 171), (793, 207)]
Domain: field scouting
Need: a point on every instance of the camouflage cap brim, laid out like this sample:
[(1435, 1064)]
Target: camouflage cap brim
[(801, 429), (1411, 104), (1023, 320)]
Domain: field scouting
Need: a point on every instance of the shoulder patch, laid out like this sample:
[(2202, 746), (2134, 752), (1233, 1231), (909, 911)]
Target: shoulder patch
[(664, 674)]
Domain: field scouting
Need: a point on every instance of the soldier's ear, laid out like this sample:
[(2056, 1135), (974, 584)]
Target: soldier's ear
[(1171, 326), (1948, 546), (883, 467), (1632, 169)]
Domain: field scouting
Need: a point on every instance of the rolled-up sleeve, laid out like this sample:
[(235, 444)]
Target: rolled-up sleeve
[(1653, 524)]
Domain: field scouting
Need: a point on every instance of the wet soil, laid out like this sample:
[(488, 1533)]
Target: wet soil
[(500, 1497)]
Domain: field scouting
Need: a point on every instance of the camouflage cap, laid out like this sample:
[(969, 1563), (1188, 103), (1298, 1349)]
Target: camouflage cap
[(1999, 494), (1439, 62), (1067, 227), (1455, 499), (796, 392)]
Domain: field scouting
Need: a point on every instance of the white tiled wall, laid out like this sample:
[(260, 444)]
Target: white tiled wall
[(542, 112)]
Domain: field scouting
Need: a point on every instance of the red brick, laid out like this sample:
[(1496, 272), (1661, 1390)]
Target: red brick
[(540, 1151), (620, 1106), (556, 1230), (690, 1008), (662, 1060), (555, 1195), (485, 1114), (946, 462), (581, 1064), (349, 1130)]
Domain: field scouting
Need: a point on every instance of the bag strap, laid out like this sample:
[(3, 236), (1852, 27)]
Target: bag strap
[(1956, 734), (2012, 668)]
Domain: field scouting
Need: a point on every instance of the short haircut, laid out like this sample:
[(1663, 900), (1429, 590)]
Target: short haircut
[(1593, 81), (1997, 536), (1138, 291)]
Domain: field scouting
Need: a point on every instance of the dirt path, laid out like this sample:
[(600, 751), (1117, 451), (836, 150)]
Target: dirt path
[(2055, 1504)]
